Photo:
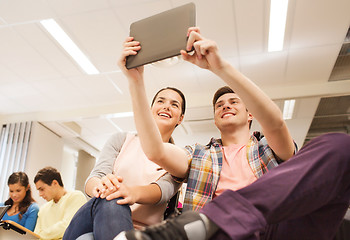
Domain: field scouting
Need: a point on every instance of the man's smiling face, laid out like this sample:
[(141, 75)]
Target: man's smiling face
[(229, 110)]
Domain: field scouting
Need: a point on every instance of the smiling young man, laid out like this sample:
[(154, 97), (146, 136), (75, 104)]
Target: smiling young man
[(55, 215), (235, 188)]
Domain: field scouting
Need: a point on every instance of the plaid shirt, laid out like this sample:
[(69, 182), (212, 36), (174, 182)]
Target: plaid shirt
[(206, 163)]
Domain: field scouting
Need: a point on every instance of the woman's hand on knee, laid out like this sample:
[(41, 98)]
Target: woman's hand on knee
[(126, 193), (109, 184)]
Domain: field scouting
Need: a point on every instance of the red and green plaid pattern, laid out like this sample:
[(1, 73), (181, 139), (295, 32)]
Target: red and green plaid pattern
[(206, 163)]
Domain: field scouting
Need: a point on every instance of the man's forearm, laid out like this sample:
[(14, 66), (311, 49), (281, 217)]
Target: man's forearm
[(258, 103)]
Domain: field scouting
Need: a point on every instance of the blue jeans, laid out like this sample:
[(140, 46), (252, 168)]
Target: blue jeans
[(101, 219)]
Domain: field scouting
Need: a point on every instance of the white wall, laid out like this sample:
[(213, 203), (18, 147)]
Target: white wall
[(45, 149), (68, 167)]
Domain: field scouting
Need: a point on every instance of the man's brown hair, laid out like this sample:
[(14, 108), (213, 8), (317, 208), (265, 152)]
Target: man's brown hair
[(220, 92), (47, 175)]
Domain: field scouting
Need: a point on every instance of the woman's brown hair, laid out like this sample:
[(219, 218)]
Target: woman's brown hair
[(22, 179)]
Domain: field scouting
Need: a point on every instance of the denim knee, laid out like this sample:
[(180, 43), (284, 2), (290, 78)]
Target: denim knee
[(111, 207)]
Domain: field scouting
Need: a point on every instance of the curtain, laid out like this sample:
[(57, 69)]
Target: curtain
[(14, 140)]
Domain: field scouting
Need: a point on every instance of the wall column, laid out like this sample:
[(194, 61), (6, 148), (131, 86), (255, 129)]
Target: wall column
[(86, 162)]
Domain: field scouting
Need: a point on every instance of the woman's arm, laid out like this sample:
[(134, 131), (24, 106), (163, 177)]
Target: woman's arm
[(32, 212), (97, 180), (159, 192), (173, 159), (92, 185), (148, 194)]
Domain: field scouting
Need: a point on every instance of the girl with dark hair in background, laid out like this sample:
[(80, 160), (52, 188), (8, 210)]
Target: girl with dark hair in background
[(24, 209)]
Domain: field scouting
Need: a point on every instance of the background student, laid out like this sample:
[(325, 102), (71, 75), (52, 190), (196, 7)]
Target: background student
[(55, 215), (24, 209)]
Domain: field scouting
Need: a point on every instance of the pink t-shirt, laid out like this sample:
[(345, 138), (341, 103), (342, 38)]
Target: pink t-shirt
[(236, 172), (136, 169)]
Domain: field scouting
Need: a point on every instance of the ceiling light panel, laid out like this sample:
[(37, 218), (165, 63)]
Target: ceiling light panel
[(278, 17), (288, 109), (67, 43)]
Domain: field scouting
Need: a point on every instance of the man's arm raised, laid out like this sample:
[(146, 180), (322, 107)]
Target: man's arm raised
[(258, 103)]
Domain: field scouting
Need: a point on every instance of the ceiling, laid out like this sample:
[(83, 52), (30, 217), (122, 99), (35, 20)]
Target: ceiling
[(39, 81)]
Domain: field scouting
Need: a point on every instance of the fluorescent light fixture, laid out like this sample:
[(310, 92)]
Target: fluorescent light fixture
[(288, 109), (278, 18), (71, 48), (120, 115)]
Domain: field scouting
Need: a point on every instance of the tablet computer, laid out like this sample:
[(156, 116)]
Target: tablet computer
[(3, 210), (161, 36)]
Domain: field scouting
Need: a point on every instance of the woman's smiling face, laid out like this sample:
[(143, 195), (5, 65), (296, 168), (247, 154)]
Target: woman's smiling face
[(167, 109)]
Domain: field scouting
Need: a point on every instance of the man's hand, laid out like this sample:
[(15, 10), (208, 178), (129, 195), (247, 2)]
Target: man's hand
[(206, 54)]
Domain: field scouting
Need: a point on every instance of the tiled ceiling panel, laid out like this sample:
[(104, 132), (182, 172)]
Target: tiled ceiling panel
[(50, 51), (314, 18), (20, 11)]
